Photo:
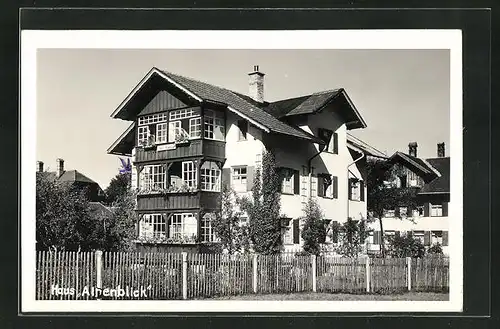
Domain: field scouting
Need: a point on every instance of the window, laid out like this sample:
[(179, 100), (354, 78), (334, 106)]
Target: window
[(437, 237), (243, 129), (155, 118), (152, 177), (173, 128), (184, 113), (331, 139), (207, 231), (239, 178), (161, 133), (355, 187), (287, 183), (436, 210), (214, 125), (328, 186), (182, 226), (210, 176), (403, 211), (195, 128), (152, 226), (258, 160), (142, 135), (189, 173), (419, 235)]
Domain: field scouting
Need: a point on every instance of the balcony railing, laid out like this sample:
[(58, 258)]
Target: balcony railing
[(177, 201), (191, 148)]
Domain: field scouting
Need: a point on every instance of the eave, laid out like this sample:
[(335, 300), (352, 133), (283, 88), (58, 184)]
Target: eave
[(125, 143)]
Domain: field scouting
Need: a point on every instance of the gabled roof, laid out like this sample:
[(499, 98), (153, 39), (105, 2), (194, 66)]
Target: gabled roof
[(70, 176), (264, 115), (442, 183), (125, 143), (364, 147)]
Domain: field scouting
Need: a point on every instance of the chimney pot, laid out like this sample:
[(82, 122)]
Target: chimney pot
[(412, 149), (39, 166), (440, 150), (60, 167), (256, 84)]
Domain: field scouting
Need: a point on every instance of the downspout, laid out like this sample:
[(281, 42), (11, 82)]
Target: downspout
[(309, 168)]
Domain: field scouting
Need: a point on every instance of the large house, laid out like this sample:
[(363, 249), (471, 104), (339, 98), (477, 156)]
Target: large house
[(187, 137), (429, 220)]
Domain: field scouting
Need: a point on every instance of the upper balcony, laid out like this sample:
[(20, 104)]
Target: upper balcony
[(190, 148)]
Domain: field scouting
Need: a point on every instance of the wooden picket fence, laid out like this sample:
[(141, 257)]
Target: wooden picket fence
[(166, 276)]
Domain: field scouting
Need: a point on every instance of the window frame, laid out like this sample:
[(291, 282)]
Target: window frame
[(189, 167), (172, 130), (148, 182), (164, 131), (355, 186), (156, 221), (207, 232), (173, 232), (438, 208), (195, 127), (143, 136), (287, 181), (212, 120), (242, 135), (239, 177), (185, 113), (207, 177)]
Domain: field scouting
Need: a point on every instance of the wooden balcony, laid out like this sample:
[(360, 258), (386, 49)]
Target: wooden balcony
[(194, 148), (177, 201)]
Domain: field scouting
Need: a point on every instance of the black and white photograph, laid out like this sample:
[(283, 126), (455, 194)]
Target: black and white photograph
[(241, 171)]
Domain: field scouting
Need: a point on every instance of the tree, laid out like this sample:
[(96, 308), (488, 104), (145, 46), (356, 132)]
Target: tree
[(354, 234), (120, 184), (232, 236), (435, 249), (314, 229), (264, 207), (119, 227), (383, 194), (63, 217), (406, 245)]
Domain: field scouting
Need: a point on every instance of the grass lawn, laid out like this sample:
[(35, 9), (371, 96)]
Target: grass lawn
[(423, 296)]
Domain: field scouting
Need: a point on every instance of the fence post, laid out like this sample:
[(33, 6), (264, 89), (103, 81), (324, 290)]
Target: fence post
[(98, 270), (367, 265), (255, 273), (313, 259), (184, 275), (408, 272)]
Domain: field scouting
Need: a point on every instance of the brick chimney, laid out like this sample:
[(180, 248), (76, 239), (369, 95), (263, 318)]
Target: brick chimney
[(440, 150), (412, 149), (256, 84), (39, 166), (60, 167)]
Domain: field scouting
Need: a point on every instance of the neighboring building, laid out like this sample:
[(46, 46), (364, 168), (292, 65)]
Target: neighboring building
[(429, 220), (93, 191), (186, 137)]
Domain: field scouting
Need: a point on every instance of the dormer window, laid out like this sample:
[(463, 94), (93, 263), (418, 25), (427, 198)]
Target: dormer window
[(331, 139)]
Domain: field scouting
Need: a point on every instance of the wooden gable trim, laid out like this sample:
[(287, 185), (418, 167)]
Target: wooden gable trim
[(146, 78), (121, 138)]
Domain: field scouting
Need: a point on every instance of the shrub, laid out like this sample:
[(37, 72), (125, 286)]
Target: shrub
[(435, 249), (401, 246)]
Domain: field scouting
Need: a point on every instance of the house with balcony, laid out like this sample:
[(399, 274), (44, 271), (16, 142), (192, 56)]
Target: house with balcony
[(428, 221), (187, 137)]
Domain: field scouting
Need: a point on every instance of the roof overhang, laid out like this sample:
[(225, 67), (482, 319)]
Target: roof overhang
[(428, 173), (125, 143), (352, 115)]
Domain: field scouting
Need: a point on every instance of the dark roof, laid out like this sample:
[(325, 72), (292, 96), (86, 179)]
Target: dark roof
[(417, 164), (71, 176), (265, 115), (440, 184), (212, 93), (365, 147)]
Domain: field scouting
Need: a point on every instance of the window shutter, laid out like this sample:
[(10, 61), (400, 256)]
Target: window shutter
[(445, 209), (321, 186), (376, 237), (361, 190), (226, 177), (335, 143), (427, 207), (397, 211), (250, 176), (350, 188), (335, 187), (445, 238), (296, 231), (296, 182), (427, 238)]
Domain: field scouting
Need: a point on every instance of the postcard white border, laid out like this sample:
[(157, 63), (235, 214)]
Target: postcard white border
[(32, 40)]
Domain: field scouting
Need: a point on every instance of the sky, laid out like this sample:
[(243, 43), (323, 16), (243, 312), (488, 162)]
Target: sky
[(403, 95)]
